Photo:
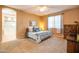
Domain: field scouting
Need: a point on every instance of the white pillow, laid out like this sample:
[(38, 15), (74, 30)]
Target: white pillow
[(30, 29)]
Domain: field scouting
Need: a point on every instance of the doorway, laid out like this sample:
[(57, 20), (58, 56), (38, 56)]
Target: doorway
[(8, 25)]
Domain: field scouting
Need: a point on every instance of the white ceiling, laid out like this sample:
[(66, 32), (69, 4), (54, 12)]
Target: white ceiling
[(51, 8)]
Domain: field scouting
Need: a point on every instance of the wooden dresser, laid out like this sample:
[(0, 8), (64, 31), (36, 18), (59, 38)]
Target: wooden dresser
[(70, 34)]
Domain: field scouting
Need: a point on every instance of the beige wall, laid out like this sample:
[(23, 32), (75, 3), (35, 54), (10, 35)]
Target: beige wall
[(71, 15), (44, 21), (0, 23), (23, 19)]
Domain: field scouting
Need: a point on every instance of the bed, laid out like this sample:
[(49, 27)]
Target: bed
[(39, 36)]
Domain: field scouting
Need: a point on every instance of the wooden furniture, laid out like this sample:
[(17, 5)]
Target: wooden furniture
[(70, 34), (26, 33), (70, 31)]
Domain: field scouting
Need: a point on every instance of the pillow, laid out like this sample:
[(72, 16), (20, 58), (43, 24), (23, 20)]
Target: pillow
[(36, 29), (30, 29)]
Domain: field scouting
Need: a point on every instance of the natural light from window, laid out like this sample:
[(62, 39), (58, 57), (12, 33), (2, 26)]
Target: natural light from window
[(8, 25), (55, 22)]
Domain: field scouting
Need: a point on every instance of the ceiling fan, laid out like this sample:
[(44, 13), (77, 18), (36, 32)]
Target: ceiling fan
[(42, 8)]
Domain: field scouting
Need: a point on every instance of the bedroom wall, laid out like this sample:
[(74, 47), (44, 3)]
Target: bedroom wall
[(23, 19), (0, 23), (44, 21), (71, 15)]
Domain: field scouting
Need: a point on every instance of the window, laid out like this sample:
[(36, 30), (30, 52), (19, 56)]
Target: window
[(51, 22), (55, 22)]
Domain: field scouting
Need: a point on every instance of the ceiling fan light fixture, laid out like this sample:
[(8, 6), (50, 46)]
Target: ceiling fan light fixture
[(42, 9)]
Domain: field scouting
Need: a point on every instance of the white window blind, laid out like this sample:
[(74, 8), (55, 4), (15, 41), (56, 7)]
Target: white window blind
[(51, 22), (55, 22)]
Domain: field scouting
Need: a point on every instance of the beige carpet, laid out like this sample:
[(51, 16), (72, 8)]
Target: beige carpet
[(51, 45)]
